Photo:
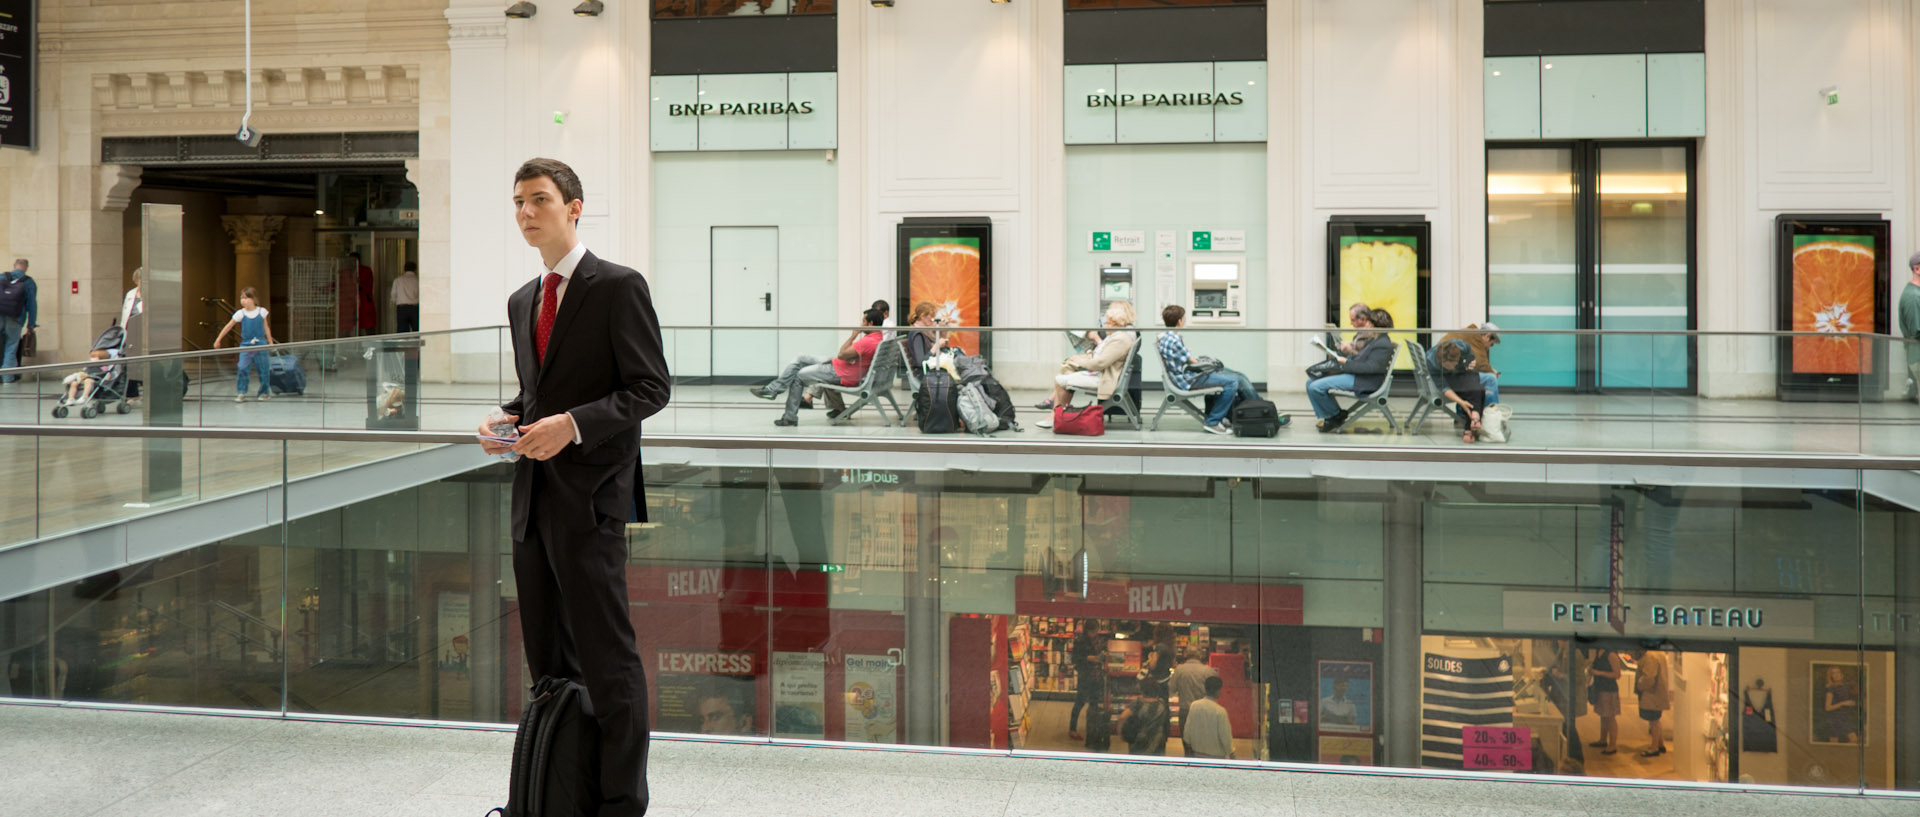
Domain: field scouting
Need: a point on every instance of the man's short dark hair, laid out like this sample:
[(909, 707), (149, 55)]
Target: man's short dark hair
[(884, 307), (410, 267), (562, 176), (355, 255), (1172, 314), (873, 317), (1214, 685)]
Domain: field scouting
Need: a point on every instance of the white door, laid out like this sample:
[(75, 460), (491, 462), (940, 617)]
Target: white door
[(746, 285)]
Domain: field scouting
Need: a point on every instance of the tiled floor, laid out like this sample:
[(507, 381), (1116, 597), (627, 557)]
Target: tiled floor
[(92, 763)]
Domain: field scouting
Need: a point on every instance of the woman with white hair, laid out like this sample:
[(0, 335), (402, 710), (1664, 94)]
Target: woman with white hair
[(1099, 369)]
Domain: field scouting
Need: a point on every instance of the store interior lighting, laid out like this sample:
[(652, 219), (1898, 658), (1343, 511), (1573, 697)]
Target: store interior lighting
[(522, 10), (589, 8), (883, 4)]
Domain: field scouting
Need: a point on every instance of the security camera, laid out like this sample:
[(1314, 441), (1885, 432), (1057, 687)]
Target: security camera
[(248, 136)]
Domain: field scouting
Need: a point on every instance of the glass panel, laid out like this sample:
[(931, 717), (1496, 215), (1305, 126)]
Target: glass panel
[(1644, 248), (1531, 264)]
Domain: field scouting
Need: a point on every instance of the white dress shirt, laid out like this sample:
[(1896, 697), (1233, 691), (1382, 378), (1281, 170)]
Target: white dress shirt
[(566, 266), (406, 290)]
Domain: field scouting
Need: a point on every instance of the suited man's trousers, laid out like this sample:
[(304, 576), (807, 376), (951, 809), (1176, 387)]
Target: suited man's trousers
[(574, 621)]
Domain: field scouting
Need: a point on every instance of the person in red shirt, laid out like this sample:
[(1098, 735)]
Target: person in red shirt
[(846, 368), (366, 305)]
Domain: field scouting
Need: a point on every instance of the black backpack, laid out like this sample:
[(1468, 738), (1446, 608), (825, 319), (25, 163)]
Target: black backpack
[(1255, 418), (556, 754), (1002, 403), (938, 404)]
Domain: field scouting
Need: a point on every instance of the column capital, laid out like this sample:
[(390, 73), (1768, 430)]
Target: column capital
[(253, 233)]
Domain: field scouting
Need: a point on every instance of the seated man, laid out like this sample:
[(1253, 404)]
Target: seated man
[(1481, 339), (1361, 373), (1362, 319), (1173, 356), (846, 368), (1099, 369)]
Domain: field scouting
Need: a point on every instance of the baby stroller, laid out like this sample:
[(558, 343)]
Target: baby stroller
[(109, 379)]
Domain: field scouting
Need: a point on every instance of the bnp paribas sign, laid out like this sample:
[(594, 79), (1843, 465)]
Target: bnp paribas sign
[(791, 111), (1169, 102)]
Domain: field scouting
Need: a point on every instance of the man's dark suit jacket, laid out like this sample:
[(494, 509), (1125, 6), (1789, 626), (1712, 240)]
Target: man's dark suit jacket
[(606, 366)]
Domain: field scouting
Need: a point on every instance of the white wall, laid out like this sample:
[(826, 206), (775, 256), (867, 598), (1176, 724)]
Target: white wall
[(1168, 187), (795, 191)]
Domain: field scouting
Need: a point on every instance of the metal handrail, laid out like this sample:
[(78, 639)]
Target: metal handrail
[(1078, 447)]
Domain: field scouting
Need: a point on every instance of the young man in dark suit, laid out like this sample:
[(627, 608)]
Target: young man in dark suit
[(587, 351)]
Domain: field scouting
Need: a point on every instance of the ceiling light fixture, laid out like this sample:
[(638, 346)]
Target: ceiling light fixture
[(883, 4), (522, 10), (589, 8)]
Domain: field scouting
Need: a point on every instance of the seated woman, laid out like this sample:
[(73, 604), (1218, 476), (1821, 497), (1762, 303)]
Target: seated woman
[(1360, 373), (1099, 369), (924, 341), (1454, 363)]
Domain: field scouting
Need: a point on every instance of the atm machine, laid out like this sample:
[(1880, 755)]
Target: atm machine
[(1116, 284), (1216, 291)]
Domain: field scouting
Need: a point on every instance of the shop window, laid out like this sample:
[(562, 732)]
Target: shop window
[(738, 8)]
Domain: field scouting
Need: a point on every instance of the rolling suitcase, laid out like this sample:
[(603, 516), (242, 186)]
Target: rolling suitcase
[(285, 375), (1255, 418)]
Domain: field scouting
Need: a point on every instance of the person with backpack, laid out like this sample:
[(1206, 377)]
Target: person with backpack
[(1180, 370), (19, 313), (845, 368)]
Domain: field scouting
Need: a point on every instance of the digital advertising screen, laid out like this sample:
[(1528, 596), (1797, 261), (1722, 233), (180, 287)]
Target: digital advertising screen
[(948, 262), (1384, 264), (1831, 280)]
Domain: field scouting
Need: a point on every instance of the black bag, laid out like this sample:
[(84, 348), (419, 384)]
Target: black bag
[(1325, 368), (1002, 403), (1254, 418), (937, 404), (287, 376), (1201, 364), (556, 754)]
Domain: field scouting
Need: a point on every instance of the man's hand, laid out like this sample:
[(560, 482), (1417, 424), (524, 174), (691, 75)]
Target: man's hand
[(486, 430), (544, 439)]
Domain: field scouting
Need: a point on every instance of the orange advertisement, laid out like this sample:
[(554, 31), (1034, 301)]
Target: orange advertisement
[(946, 271), (1832, 293)]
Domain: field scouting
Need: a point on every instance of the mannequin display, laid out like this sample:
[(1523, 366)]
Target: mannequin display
[(1757, 732)]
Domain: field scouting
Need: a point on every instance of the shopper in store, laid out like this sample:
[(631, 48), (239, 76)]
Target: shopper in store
[(1189, 680), (1206, 730), (1481, 339), (1652, 685), (1181, 371), (1099, 369), (1144, 723), (1089, 656), (1360, 372), (1161, 656), (1605, 695), (847, 367)]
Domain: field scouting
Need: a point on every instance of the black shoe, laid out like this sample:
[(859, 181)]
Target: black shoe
[(806, 402), (1330, 425), (834, 414), (762, 393), (1652, 753), (1598, 744), (786, 422)]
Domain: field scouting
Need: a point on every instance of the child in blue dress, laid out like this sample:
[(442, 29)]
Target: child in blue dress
[(252, 322)]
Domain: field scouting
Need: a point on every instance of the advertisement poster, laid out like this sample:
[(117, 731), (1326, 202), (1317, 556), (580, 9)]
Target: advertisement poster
[(1382, 272), (800, 695), (18, 30), (1340, 751), (871, 707), (1833, 291), (454, 659), (706, 692), (1346, 697), (1839, 703), (946, 271)]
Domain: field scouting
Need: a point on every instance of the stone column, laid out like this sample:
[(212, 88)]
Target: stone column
[(252, 238)]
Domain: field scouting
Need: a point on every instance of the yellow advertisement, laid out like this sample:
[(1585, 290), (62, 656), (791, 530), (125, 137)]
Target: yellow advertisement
[(1382, 272)]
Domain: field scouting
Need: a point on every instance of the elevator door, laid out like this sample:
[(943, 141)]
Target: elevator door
[(1586, 236), (746, 288)]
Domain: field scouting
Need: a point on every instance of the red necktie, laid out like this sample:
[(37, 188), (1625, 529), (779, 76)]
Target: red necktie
[(549, 306)]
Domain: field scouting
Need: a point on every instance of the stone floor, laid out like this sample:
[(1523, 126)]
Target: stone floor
[(74, 762)]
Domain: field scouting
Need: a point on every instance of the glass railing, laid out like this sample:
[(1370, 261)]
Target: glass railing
[(1565, 391), (1753, 622)]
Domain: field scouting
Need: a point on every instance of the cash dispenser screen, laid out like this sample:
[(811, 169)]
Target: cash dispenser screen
[(1203, 271), (1210, 299)]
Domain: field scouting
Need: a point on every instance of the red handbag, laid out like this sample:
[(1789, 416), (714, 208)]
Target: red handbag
[(1086, 422)]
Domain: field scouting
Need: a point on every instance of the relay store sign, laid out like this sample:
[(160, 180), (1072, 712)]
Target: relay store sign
[(793, 111), (1167, 601), (1661, 615), (1171, 102)]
